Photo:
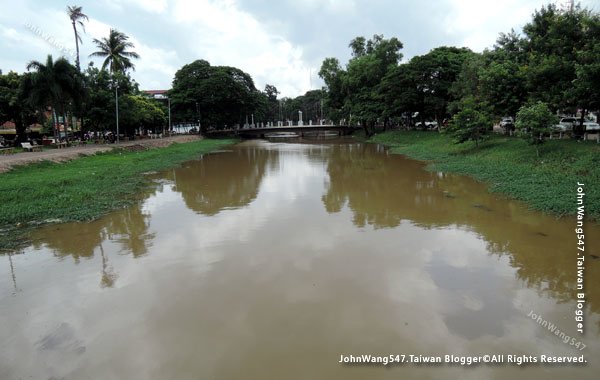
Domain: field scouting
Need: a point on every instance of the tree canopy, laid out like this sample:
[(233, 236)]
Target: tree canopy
[(217, 96), (353, 93), (114, 50), (555, 61)]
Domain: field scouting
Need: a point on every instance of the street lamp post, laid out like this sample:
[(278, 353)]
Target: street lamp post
[(169, 101), (117, 109)]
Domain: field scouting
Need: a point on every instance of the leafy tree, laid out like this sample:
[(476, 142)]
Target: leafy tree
[(13, 105), (55, 83), (114, 51), (502, 76), (563, 59), (585, 88), (334, 76), (511, 46), (534, 122), (267, 104), (271, 92), (77, 16), (434, 74), (219, 96), (364, 75), (355, 91), (468, 82), (358, 46), (555, 62), (497, 77), (139, 112), (99, 101), (503, 85), (399, 93), (471, 123), (587, 69), (553, 39)]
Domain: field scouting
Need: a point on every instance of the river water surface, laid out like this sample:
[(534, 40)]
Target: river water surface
[(271, 260)]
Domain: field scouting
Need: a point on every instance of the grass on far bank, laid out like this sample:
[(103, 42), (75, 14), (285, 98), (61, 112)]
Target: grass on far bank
[(84, 188), (547, 183)]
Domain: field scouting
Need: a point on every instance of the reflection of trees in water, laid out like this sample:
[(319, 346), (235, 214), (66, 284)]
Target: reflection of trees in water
[(131, 228), (223, 180), (128, 227), (543, 251), (372, 185), (382, 190), (108, 275)]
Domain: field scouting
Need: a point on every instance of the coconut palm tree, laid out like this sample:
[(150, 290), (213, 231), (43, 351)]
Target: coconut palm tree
[(114, 50), (53, 84), (77, 17)]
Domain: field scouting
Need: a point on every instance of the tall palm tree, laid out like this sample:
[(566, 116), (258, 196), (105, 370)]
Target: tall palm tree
[(77, 17), (53, 84), (114, 49)]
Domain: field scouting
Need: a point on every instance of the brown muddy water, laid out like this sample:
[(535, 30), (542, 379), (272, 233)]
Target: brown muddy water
[(272, 260)]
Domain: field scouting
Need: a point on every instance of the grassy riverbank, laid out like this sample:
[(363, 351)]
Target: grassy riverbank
[(511, 167), (84, 188)]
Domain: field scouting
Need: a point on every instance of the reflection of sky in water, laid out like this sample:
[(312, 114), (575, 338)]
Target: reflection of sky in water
[(274, 286)]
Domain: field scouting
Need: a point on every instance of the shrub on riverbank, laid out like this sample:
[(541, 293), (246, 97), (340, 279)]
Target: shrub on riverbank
[(510, 166), (84, 188)]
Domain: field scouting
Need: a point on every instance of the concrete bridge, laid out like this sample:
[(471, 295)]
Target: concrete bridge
[(301, 130)]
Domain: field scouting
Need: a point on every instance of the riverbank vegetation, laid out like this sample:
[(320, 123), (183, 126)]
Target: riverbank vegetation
[(85, 188), (547, 183), (553, 62), (526, 80)]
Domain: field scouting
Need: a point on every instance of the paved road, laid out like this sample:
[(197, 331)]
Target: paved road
[(7, 161)]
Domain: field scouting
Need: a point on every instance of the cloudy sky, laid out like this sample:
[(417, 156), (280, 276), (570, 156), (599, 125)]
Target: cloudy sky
[(280, 42)]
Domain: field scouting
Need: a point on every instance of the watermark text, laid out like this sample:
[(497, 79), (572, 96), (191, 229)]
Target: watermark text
[(580, 259)]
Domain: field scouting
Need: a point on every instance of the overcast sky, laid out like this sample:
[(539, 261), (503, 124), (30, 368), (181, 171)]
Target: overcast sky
[(280, 42)]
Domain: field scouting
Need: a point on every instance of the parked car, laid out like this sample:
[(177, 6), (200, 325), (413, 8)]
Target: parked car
[(565, 124), (427, 125), (590, 126), (507, 122), (431, 124)]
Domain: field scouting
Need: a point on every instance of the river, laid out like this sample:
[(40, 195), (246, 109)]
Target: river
[(272, 260)]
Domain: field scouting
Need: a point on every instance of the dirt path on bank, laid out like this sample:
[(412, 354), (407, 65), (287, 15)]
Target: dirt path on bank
[(8, 161)]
